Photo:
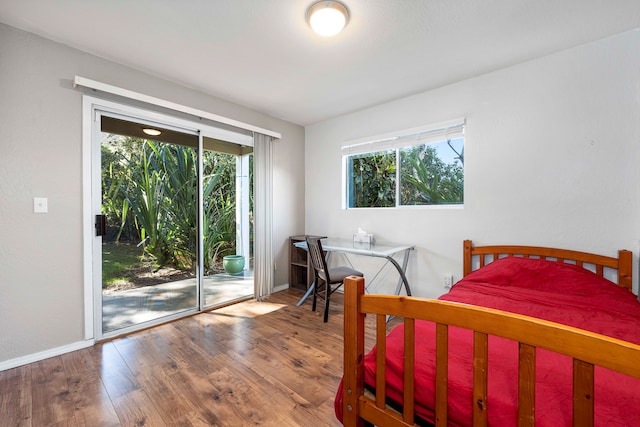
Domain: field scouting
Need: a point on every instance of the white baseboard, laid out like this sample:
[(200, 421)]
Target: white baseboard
[(281, 288), (36, 357)]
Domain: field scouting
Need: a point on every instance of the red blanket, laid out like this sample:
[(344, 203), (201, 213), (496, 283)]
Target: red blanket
[(547, 290)]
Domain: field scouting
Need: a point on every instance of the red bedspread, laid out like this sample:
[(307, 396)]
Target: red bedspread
[(547, 290)]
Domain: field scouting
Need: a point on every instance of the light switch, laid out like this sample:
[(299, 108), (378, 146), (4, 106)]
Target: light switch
[(40, 205)]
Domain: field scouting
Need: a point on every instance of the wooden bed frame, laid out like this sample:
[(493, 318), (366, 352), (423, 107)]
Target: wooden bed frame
[(530, 332)]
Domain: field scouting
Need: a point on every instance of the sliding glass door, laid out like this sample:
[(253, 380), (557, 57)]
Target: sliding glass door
[(148, 228), (173, 206), (227, 221)]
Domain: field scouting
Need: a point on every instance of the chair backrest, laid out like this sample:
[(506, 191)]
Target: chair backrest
[(318, 261)]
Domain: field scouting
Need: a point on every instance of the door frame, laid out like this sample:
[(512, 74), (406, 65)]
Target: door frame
[(92, 108)]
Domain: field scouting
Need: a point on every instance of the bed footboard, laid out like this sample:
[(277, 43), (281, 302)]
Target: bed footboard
[(531, 333)]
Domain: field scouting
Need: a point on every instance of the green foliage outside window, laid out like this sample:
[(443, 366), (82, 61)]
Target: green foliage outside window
[(150, 196), (428, 174), (427, 179), (373, 180)]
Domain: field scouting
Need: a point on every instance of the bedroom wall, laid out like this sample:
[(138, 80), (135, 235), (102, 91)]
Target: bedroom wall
[(552, 158), (41, 258)]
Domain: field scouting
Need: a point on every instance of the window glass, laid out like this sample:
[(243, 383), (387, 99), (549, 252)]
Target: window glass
[(413, 170), (372, 179), (432, 174)]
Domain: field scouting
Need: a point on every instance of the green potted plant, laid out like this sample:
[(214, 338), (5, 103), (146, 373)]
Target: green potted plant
[(233, 264)]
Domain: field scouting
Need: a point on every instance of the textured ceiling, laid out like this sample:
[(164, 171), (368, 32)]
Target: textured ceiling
[(261, 53)]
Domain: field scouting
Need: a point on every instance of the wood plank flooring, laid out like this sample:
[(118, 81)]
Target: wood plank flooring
[(267, 364)]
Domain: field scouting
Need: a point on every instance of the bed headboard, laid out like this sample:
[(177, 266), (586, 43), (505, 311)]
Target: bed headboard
[(486, 254)]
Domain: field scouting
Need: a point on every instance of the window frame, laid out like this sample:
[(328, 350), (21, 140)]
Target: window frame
[(396, 141)]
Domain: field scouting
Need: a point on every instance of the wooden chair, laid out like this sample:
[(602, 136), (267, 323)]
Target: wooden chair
[(327, 280)]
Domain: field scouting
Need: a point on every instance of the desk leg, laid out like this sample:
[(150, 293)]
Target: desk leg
[(402, 270), (306, 295), (403, 278)]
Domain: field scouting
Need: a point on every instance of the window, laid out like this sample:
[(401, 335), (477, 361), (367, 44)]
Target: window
[(413, 168)]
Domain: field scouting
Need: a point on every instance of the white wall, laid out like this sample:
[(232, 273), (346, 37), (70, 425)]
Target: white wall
[(552, 158), (41, 264)]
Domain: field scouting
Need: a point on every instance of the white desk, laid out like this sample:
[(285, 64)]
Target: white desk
[(374, 250)]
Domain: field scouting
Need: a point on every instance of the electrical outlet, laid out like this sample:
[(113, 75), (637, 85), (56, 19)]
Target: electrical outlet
[(448, 281), (40, 205)]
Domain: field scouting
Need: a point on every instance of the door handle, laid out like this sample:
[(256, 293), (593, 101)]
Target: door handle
[(101, 225)]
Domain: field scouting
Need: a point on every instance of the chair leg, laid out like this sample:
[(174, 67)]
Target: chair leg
[(315, 295), (327, 296)]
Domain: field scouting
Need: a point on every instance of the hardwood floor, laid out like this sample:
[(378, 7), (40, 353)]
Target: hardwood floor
[(268, 364)]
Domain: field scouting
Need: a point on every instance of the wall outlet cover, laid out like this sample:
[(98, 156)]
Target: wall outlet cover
[(40, 205)]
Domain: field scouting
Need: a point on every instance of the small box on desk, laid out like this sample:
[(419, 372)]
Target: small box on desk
[(363, 238)]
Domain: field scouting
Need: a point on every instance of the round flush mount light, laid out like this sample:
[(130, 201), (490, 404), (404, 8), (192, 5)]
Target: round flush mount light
[(327, 18), (152, 132)]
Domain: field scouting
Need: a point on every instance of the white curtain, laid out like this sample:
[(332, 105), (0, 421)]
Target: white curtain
[(263, 181)]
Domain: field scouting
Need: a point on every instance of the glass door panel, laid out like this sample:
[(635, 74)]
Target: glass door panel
[(150, 201), (227, 222)]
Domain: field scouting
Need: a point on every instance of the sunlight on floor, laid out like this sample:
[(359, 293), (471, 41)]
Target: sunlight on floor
[(250, 310)]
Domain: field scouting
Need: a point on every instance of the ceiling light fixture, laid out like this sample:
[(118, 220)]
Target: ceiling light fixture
[(327, 18), (152, 132)]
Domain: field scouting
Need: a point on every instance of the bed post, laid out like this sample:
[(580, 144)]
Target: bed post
[(468, 245), (625, 268), (353, 386)]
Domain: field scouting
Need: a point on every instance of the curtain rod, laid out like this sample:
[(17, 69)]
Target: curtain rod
[(114, 90)]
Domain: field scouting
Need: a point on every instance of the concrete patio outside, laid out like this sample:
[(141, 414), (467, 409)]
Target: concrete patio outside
[(134, 306)]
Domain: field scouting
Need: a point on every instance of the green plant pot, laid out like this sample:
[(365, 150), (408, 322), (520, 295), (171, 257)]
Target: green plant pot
[(233, 264)]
